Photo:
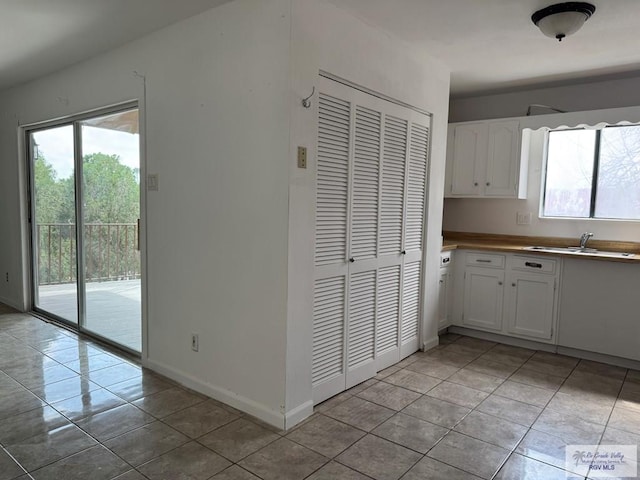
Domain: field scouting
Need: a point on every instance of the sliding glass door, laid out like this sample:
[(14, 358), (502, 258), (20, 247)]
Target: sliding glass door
[(86, 207), (54, 222)]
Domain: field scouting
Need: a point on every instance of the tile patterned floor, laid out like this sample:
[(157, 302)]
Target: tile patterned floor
[(469, 409)]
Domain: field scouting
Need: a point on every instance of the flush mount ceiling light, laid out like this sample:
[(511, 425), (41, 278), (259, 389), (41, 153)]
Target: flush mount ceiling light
[(562, 19)]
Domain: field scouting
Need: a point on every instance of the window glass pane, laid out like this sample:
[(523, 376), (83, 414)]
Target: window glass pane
[(569, 173), (619, 173)]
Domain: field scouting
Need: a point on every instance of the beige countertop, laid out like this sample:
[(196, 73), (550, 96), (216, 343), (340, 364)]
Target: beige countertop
[(519, 244)]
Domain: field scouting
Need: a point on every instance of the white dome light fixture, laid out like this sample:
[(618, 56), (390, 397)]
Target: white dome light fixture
[(562, 19)]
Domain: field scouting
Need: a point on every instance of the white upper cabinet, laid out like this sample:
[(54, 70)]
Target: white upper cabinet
[(484, 160)]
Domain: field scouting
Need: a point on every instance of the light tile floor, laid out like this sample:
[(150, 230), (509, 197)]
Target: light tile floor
[(469, 409)]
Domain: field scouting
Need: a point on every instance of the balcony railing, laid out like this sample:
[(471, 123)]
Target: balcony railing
[(111, 252)]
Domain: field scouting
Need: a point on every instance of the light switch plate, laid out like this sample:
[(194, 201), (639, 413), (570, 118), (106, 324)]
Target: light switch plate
[(524, 218), (152, 182), (302, 157)]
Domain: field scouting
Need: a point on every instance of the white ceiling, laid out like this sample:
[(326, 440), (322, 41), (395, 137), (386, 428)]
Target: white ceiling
[(490, 45), (38, 37)]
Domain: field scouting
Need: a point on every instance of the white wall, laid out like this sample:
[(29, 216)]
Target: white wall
[(230, 233), (217, 133), (499, 215), (326, 38)]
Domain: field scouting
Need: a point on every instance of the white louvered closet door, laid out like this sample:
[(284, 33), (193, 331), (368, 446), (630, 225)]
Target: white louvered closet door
[(330, 272), (414, 225), (369, 223), (363, 241)]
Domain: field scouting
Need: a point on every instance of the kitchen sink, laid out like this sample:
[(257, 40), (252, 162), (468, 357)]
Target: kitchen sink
[(580, 251)]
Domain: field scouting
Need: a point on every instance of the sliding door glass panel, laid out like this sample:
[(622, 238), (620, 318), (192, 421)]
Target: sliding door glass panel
[(111, 211), (54, 222)]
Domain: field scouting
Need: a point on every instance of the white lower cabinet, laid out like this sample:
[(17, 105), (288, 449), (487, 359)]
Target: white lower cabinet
[(483, 298), (511, 295), (530, 305), (444, 286), (599, 308), (445, 290)]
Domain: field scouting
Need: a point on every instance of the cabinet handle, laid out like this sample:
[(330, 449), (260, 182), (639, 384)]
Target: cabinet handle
[(482, 260), (351, 260), (533, 264)]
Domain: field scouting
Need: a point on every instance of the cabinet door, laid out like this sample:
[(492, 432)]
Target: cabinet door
[(530, 303), (502, 159), (469, 159), (483, 297), (443, 295)]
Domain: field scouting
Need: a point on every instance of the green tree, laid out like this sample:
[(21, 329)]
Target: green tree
[(48, 191), (111, 196), (110, 191)]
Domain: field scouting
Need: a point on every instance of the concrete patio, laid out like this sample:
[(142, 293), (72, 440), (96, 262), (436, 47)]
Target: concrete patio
[(113, 309)]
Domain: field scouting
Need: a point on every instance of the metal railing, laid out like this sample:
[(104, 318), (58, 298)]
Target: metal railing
[(111, 252)]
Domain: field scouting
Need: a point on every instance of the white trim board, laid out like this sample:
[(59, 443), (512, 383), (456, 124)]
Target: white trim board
[(275, 418)]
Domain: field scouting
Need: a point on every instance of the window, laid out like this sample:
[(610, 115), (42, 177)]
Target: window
[(593, 173)]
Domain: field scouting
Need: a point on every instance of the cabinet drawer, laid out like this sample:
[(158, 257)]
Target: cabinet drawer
[(485, 260), (534, 264)]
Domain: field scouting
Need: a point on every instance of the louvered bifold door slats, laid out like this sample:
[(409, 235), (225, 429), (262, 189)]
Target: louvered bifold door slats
[(410, 306), (332, 196), (366, 175), (392, 194), (416, 187), (371, 180), (388, 312), (414, 224), (361, 327), (328, 329), (331, 229)]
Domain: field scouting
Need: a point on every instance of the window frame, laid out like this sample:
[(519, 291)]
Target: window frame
[(594, 178)]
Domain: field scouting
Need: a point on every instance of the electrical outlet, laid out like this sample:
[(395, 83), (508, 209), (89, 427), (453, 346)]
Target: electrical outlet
[(523, 218), (195, 342)]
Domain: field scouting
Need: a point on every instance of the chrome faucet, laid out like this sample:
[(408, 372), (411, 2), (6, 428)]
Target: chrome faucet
[(584, 239)]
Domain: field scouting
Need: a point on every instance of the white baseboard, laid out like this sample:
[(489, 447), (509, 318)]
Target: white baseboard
[(496, 337), (275, 418), (600, 357), (11, 304), (295, 416), (546, 347), (430, 343)]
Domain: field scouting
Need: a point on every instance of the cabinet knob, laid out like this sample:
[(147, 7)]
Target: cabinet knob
[(499, 283), (513, 284), (488, 184), (403, 252), (475, 184), (441, 282), (351, 260)]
